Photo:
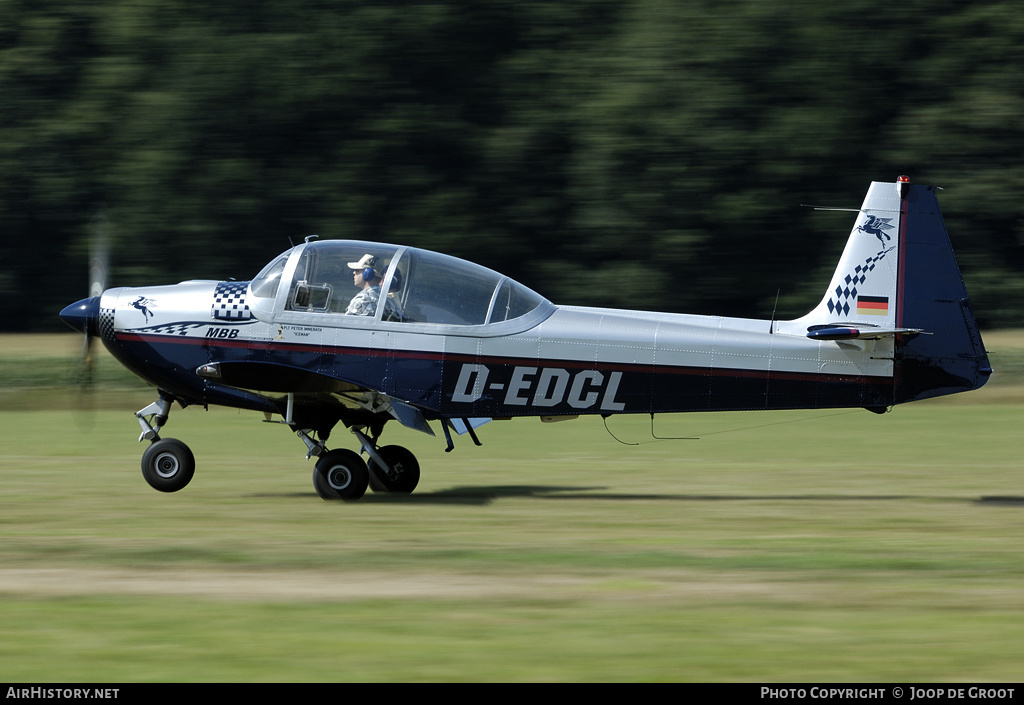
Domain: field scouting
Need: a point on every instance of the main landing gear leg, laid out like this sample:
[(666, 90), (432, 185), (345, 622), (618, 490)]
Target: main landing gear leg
[(392, 468), (343, 474), (338, 474), (167, 464), (313, 446)]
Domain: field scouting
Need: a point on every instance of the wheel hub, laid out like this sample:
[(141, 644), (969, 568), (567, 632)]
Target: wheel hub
[(166, 465), (339, 477)]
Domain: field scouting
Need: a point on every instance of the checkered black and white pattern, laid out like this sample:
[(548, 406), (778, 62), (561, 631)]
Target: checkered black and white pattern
[(840, 302), (175, 328), (229, 302), (106, 324)]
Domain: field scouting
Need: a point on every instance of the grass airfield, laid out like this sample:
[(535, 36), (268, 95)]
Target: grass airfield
[(783, 546)]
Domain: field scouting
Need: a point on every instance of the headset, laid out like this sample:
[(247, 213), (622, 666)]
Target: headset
[(368, 273)]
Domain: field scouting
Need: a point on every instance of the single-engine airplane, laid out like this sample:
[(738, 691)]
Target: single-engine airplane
[(365, 333)]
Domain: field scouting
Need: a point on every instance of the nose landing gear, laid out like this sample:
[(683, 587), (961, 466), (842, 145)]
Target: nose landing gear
[(167, 464)]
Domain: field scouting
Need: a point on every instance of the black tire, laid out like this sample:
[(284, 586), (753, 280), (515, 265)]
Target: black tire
[(340, 474), (405, 470), (376, 483), (168, 465)]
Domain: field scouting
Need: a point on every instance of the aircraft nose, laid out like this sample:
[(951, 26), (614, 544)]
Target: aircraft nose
[(83, 316)]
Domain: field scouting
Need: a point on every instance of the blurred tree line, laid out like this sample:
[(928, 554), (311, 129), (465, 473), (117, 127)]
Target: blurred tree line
[(632, 153)]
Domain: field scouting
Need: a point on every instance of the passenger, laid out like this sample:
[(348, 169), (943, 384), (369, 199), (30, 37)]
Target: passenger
[(365, 276)]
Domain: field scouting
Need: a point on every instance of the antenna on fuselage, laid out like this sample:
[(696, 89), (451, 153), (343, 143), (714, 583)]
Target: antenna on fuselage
[(771, 327)]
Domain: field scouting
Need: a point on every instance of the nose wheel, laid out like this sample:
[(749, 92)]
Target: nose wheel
[(168, 465)]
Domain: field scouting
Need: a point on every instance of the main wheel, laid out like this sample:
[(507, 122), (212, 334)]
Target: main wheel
[(340, 474), (404, 474), (168, 465)]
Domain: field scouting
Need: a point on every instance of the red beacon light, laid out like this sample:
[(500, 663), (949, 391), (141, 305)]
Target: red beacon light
[(902, 186)]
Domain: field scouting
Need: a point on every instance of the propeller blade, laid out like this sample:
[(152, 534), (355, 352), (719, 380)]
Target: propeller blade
[(83, 316), (99, 255)]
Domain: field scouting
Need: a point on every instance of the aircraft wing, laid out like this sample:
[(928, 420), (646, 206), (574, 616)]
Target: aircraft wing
[(272, 378)]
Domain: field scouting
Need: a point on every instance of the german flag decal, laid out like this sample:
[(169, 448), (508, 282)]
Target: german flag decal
[(873, 305)]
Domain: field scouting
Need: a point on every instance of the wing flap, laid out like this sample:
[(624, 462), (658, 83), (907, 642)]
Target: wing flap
[(273, 378)]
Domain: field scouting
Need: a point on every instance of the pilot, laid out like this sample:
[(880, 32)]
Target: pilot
[(366, 276)]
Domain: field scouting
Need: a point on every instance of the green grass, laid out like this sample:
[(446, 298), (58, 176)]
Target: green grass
[(48, 372), (798, 546)]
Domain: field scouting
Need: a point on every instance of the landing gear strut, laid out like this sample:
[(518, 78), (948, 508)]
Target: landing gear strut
[(342, 474), (400, 474), (392, 468), (167, 464)]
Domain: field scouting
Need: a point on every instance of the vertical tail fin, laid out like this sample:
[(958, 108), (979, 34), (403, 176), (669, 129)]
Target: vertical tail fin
[(898, 277), (864, 286)]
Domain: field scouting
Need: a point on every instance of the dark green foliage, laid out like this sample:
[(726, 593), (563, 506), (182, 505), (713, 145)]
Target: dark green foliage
[(642, 153)]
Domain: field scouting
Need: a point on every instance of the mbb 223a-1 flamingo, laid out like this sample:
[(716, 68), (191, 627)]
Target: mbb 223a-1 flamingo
[(366, 333)]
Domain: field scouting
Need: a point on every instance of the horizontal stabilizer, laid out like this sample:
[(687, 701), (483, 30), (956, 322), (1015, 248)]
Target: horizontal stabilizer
[(844, 331)]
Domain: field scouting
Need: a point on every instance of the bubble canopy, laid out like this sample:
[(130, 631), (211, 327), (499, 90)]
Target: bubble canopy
[(409, 287)]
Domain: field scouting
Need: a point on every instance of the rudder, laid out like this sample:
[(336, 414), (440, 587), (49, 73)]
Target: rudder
[(950, 356), (898, 278)]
